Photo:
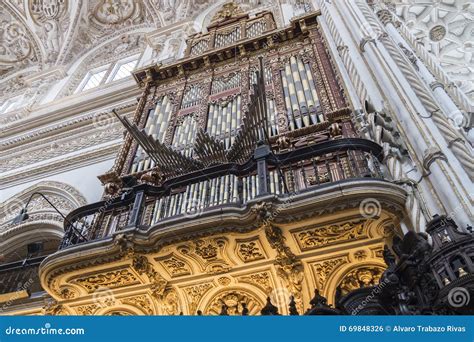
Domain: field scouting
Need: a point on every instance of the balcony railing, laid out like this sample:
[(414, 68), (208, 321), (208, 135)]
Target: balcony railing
[(226, 185), (20, 276)]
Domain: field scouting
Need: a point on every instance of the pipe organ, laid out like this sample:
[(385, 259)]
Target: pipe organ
[(221, 84), (227, 38), (192, 96), (222, 205), (256, 28), (290, 89), (156, 126), (224, 120), (185, 134), (272, 113), (199, 47), (301, 98)]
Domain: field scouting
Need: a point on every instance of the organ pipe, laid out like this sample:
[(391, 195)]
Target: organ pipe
[(300, 95)]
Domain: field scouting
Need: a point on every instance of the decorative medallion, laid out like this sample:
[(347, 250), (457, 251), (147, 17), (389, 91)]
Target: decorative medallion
[(437, 33)]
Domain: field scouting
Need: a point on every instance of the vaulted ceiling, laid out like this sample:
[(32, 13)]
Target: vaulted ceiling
[(37, 34), (446, 28)]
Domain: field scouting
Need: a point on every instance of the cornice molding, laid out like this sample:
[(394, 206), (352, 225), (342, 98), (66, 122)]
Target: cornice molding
[(59, 166), (70, 106)]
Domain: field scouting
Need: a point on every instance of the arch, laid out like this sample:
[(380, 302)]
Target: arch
[(233, 297), (44, 223), (338, 276), (120, 310)]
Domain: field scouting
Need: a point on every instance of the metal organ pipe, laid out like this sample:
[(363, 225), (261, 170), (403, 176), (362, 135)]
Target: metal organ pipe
[(184, 135), (197, 196), (224, 120), (156, 126), (301, 99)]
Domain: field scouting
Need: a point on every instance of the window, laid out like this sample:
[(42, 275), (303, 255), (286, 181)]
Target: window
[(92, 79), (11, 104), (108, 73), (123, 69)]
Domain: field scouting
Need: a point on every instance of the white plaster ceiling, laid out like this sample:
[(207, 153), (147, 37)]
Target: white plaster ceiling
[(446, 28)]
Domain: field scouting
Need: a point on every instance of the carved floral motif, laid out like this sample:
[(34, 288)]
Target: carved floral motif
[(195, 294), (262, 280), (321, 236), (141, 301), (250, 251), (109, 280), (324, 269)]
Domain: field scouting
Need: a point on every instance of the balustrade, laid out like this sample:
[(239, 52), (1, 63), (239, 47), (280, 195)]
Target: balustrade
[(266, 174)]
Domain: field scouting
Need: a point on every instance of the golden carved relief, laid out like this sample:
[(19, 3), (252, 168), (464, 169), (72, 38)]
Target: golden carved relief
[(324, 269), (336, 233), (208, 253), (195, 293), (141, 264), (176, 267), (54, 308), (360, 277), (67, 293), (170, 302), (289, 267), (141, 301), (261, 280), (224, 281), (86, 310), (109, 280), (360, 255), (233, 303), (250, 251)]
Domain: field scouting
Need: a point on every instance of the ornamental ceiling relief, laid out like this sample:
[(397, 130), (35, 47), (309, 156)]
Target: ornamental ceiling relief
[(18, 48), (446, 29), (50, 19)]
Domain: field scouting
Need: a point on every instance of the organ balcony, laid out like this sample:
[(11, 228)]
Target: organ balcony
[(228, 187), (242, 155)]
